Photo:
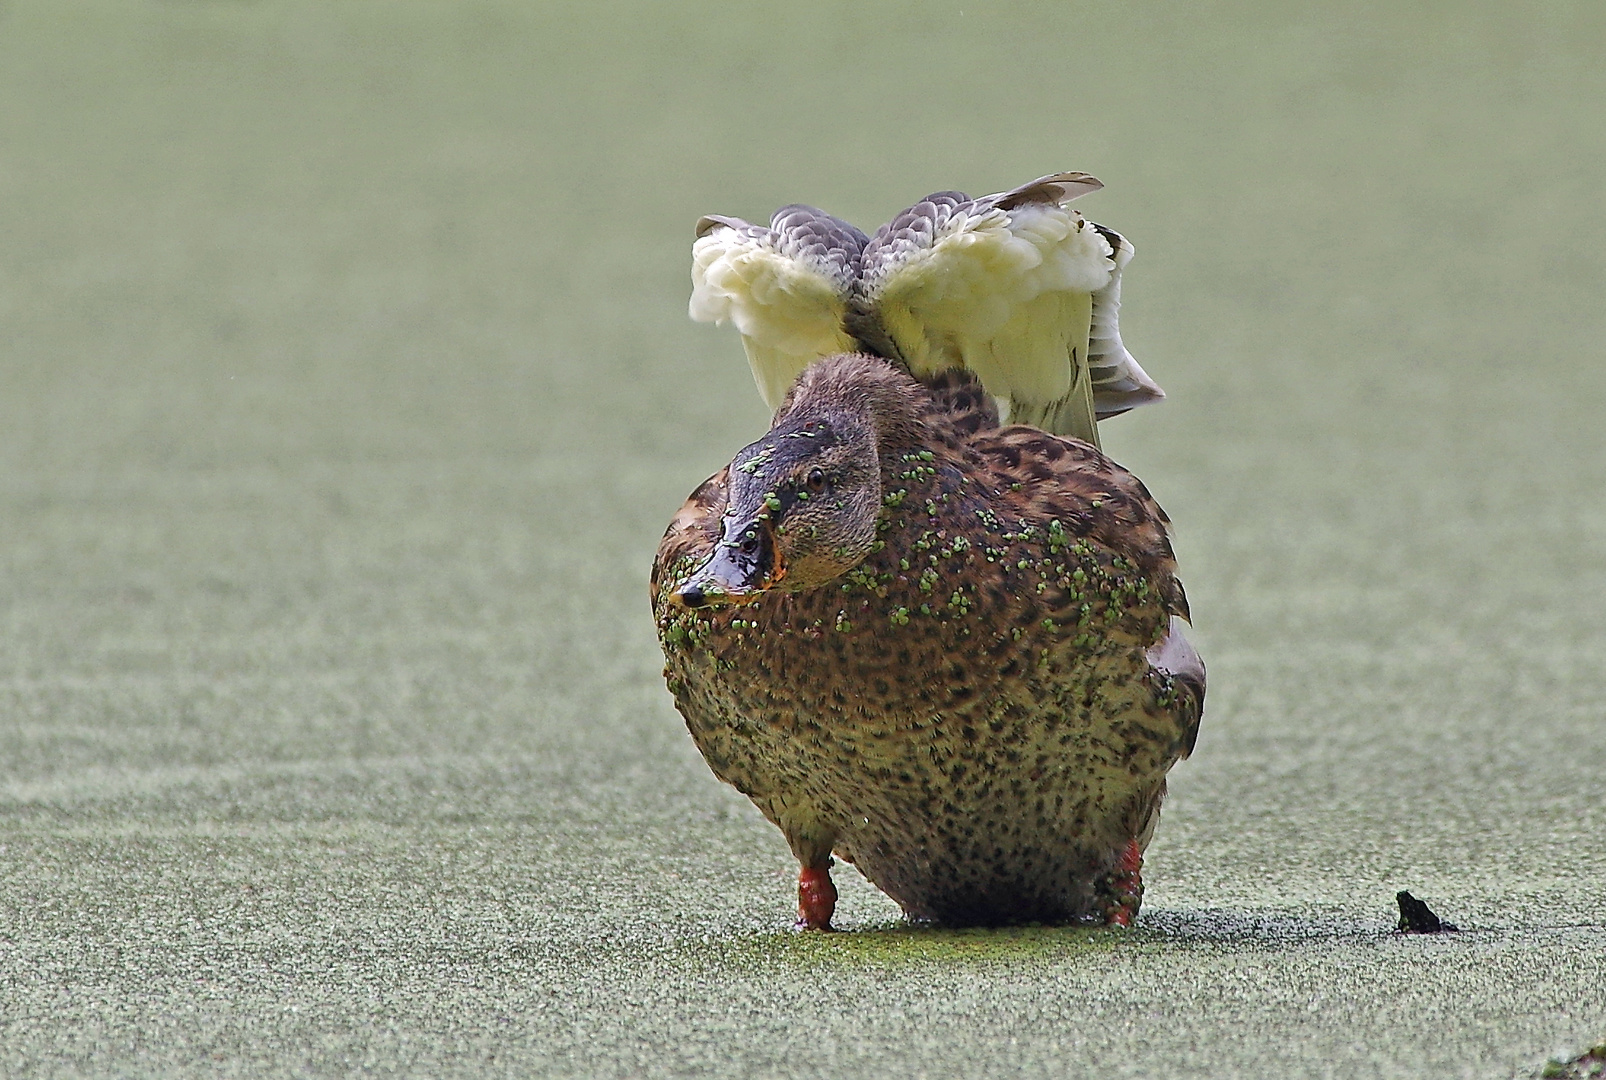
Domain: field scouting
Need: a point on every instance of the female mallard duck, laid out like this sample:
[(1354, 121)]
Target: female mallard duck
[(945, 650)]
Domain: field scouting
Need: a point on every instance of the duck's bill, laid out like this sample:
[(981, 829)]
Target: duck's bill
[(743, 566)]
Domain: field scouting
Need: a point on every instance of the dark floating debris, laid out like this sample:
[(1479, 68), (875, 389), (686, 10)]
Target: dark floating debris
[(1417, 918)]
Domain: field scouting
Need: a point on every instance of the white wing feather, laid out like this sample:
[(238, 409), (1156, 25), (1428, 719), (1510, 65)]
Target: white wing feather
[(785, 294), (1010, 286), (1014, 286)]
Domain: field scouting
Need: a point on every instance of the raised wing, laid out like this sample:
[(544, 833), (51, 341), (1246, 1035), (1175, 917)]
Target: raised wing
[(1013, 286), (785, 287)]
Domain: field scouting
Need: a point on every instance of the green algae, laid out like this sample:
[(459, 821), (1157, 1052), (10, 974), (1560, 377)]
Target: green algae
[(899, 947), (1590, 1065), (349, 388), (754, 465)]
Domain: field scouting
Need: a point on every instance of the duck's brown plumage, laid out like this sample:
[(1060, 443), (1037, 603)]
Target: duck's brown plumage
[(980, 712)]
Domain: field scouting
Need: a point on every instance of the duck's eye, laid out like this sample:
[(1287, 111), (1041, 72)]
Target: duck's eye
[(816, 479)]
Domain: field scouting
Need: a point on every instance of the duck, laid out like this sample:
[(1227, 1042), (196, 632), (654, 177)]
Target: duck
[(945, 649)]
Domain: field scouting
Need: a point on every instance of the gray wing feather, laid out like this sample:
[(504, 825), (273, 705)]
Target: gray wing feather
[(805, 233), (909, 231), (784, 285), (1057, 188), (810, 234), (1119, 382), (709, 222)]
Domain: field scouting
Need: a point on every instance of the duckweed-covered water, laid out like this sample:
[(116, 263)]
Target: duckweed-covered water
[(346, 387)]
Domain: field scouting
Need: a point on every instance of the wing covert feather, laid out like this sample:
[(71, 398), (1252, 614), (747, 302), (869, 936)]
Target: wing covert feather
[(1012, 286), (785, 288)]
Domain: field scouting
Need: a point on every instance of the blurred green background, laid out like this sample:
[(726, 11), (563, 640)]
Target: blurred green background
[(346, 387)]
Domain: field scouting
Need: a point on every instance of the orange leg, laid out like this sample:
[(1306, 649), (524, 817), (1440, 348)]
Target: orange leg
[(816, 897), (1123, 889)]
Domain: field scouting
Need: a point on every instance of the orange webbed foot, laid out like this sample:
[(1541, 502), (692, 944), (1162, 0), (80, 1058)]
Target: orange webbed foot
[(816, 898), (1122, 890)]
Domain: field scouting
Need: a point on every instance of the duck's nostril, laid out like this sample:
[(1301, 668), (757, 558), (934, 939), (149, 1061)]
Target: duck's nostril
[(691, 596)]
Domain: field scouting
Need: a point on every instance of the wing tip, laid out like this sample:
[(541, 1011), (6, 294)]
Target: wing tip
[(1057, 188), (709, 222), (1107, 406)]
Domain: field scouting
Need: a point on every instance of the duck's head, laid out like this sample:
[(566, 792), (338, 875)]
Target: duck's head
[(804, 500)]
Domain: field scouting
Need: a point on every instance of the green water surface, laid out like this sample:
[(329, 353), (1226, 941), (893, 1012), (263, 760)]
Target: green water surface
[(346, 387)]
